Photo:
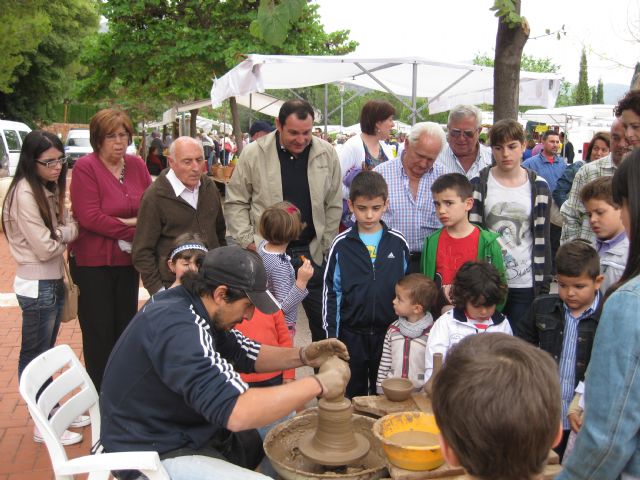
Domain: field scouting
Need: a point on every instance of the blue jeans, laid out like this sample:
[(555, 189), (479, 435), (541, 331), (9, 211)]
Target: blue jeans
[(198, 467), (516, 309), (40, 320)]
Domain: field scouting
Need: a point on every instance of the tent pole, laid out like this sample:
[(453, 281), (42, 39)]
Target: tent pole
[(326, 108), (382, 85), (414, 90), (250, 110)]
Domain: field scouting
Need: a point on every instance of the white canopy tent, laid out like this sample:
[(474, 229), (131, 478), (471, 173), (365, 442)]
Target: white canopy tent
[(580, 122), (578, 113), (443, 84), (257, 102)]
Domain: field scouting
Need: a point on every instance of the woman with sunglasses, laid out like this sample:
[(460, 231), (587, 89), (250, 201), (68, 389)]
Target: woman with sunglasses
[(106, 191), (38, 228)]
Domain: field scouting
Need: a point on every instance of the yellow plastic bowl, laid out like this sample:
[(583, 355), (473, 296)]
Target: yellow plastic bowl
[(409, 457)]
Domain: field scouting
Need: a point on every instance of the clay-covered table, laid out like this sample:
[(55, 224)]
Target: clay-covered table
[(379, 405)]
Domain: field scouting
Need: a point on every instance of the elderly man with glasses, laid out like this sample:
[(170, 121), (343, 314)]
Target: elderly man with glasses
[(463, 153)]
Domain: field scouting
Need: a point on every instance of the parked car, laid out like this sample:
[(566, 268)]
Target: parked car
[(77, 145), (11, 136)]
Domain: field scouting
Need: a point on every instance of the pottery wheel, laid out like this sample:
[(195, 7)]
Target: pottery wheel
[(333, 455)]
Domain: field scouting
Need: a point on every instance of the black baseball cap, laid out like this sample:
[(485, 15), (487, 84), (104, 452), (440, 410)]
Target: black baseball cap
[(243, 269), (260, 126)]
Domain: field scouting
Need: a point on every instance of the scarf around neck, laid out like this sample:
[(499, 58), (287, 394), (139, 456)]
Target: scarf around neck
[(414, 330)]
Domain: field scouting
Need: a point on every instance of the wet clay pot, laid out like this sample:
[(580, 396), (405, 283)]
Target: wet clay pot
[(281, 446), (397, 389)]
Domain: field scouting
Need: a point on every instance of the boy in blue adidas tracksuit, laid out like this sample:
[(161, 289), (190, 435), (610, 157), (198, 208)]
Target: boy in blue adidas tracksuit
[(365, 262)]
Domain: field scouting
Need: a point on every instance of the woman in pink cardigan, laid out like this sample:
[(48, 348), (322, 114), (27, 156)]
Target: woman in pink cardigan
[(106, 189)]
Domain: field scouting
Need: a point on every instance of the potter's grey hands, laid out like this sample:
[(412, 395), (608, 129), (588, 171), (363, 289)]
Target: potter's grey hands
[(316, 353), (333, 378)]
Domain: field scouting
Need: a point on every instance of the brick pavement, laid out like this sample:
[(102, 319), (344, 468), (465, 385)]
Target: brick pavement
[(20, 457)]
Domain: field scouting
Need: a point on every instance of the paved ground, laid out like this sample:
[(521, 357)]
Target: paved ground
[(20, 457)]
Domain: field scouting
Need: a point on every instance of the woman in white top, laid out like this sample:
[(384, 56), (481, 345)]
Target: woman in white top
[(369, 149), (38, 229)]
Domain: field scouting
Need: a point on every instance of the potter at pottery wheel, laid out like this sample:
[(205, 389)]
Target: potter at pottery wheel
[(334, 443)]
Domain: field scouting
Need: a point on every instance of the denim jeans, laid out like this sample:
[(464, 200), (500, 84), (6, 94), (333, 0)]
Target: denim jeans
[(516, 309), (198, 467), (40, 320)]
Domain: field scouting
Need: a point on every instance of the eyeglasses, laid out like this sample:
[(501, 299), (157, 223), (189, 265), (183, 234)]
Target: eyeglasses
[(187, 162), (456, 132), (54, 162), (116, 136)]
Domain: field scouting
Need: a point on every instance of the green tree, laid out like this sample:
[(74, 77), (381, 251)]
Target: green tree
[(600, 93), (512, 35), (160, 52), (45, 76), (583, 93), (528, 63), (566, 95), (23, 26)]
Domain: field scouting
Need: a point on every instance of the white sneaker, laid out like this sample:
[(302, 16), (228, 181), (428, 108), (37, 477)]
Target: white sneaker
[(81, 421), (67, 438)]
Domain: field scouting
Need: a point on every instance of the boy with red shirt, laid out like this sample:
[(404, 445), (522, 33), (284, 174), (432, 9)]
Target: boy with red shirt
[(459, 241)]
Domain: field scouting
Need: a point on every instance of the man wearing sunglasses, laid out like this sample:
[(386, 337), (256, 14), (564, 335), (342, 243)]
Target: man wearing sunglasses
[(463, 153)]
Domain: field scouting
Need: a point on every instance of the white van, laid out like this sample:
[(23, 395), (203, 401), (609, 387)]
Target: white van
[(11, 136), (77, 145)]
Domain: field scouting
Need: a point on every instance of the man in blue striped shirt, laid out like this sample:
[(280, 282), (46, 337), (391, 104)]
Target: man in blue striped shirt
[(411, 210)]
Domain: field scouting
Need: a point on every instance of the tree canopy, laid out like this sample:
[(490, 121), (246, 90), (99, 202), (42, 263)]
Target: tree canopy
[(528, 63), (159, 52), (41, 48)]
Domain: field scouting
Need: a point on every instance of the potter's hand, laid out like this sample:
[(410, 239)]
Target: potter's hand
[(333, 378), (316, 353)]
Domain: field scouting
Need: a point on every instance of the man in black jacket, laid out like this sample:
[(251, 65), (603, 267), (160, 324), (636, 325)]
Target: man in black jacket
[(171, 384)]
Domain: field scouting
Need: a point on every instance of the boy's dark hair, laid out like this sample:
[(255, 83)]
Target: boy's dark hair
[(504, 131), (631, 101), (598, 189), (420, 289), (368, 184), (455, 181), (548, 133), (280, 223), (576, 258), (487, 388), (479, 283), (185, 239)]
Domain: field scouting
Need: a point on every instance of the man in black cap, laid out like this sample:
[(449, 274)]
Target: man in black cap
[(171, 384), (260, 129)]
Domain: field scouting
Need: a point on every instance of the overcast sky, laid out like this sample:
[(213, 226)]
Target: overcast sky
[(455, 30)]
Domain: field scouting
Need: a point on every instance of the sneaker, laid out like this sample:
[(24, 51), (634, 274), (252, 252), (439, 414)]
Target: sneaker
[(81, 421), (67, 437)]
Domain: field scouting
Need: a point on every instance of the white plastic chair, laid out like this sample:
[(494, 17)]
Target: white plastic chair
[(74, 383)]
